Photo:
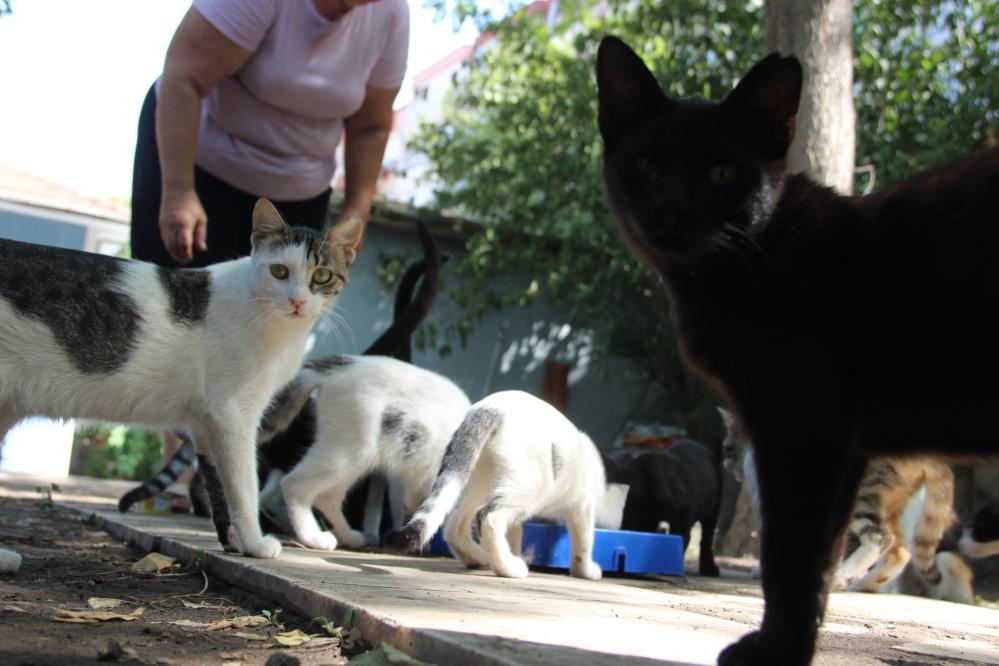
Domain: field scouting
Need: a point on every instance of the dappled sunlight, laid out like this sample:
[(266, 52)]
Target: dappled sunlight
[(550, 341)]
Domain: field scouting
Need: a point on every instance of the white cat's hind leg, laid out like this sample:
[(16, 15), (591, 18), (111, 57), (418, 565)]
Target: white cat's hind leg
[(458, 529), (494, 521), (580, 524), (300, 488), (330, 504)]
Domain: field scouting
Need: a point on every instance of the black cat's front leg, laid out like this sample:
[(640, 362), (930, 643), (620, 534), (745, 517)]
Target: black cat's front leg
[(216, 498), (804, 513)]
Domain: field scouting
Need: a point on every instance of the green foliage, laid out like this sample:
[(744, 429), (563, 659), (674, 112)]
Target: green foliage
[(117, 452), (518, 149), (927, 83)]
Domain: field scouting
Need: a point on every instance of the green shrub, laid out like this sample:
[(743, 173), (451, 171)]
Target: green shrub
[(112, 451)]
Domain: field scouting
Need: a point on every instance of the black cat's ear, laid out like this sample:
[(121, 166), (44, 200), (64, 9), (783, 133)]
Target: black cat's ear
[(267, 222), (765, 103), (627, 92)]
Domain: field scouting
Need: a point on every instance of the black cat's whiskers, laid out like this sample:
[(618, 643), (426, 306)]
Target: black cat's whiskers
[(737, 242)]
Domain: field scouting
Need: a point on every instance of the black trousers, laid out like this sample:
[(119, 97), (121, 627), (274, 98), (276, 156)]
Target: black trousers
[(229, 209)]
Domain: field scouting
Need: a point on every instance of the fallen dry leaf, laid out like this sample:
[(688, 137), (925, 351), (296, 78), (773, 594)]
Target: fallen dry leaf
[(94, 617), (232, 623), (154, 562), (292, 638), (200, 604), (104, 603), (13, 609), (249, 636)]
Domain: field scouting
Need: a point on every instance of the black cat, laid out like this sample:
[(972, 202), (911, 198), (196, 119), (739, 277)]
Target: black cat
[(680, 484), (836, 327)]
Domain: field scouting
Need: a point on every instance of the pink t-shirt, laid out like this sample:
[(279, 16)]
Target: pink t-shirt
[(272, 128)]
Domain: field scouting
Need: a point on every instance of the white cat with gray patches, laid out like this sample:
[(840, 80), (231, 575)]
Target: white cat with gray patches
[(514, 456), (85, 335), (373, 414)]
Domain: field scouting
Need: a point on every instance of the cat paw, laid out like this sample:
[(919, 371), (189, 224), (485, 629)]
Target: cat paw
[(753, 650), (709, 569), (352, 539), (230, 541), (265, 548), (321, 541), (589, 570), (512, 568)]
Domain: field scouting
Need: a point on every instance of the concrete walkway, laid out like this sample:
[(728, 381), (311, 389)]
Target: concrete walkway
[(440, 612)]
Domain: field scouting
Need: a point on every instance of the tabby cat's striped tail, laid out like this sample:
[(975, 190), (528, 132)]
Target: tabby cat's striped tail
[(185, 457), (290, 400), (475, 431), (937, 514)]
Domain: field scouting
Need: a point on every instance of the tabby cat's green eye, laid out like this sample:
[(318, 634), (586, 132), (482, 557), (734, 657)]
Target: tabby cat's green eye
[(280, 271), (322, 276), (722, 174)]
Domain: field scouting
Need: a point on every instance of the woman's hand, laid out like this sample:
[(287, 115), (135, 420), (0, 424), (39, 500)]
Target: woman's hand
[(183, 225)]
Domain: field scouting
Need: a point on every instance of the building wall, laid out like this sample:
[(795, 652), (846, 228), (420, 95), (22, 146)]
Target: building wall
[(73, 231), (507, 349)]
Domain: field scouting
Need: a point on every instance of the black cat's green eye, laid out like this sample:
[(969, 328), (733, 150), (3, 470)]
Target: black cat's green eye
[(643, 166), (721, 174), (322, 276), (280, 271)]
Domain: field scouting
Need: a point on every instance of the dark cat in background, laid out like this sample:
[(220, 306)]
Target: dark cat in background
[(837, 328), (680, 484)]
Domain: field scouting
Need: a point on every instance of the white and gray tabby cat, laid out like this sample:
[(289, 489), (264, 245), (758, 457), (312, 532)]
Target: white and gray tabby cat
[(85, 335), (514, 456), (373, 414)]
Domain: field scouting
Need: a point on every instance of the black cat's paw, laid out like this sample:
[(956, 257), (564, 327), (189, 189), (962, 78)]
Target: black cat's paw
[(755, 650), (744, 652), (709, 569)]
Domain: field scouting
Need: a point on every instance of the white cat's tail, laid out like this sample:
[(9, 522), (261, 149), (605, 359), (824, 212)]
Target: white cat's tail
[(475, 431), (9, 561), (290, 400)]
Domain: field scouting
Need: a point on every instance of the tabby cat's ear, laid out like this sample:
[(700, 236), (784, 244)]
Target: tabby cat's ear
[(627, 92), (267, 222), (765, 103), (347, 234)]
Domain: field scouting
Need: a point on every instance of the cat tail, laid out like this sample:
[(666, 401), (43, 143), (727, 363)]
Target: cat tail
[(476, 430), (936, 517), (289, 401), (409, 315), (185, 457)]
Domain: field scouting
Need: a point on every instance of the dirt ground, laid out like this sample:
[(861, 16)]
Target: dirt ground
[(68, 562)]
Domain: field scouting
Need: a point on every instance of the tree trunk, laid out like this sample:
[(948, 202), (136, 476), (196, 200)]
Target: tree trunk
[(819, 33)]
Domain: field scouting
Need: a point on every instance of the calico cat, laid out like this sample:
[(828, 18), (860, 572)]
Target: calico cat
[(373, 414), (838, 328), (885, 491), (286, 448), (515, 456), (679, 484), (903, 509), (85, 335)]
